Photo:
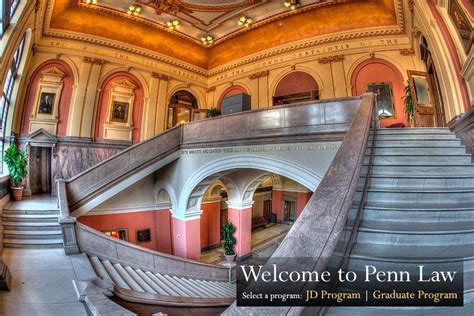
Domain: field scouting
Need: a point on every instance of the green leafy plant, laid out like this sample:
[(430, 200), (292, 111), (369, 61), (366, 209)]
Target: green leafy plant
[(228, 230), (408, 101), (213, 112), (16, 160)]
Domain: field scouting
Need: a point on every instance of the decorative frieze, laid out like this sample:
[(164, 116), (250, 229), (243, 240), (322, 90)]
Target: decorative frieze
[(93, 60), (260, 74), (163, 77), (407, 51), (331, 59)]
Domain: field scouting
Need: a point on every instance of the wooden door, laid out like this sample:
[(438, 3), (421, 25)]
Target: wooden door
[(267, 210), (423, 99)]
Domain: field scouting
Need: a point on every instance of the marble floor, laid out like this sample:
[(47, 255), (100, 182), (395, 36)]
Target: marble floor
[(265, 240), (36, 202), (41, 284)]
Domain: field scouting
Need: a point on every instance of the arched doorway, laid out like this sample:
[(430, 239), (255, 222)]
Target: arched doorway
[(183, 108), (434, 82), (296, 87)]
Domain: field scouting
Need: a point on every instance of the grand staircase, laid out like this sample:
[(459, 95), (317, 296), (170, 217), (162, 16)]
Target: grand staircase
[(126, 277), (420, 210), (29, 224)]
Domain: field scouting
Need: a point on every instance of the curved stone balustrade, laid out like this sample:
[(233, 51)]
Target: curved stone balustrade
[(316, 231)]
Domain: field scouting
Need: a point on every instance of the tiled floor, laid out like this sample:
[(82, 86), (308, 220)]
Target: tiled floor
[(41, 284), (264, 243)]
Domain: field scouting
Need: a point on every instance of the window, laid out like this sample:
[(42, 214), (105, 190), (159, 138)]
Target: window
[(7, 9), (9, 83)]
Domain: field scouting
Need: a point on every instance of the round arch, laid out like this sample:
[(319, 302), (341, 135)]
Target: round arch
[(230, 91), (133, 73), (165, 186), (300, 80), (200, 179), (102, 106), (195, 92)]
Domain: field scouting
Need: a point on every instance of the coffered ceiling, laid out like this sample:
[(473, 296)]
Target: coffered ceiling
[(106, 22)]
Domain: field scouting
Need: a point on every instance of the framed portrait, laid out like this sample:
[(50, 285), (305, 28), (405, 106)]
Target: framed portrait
[(46, 103), (462, 24), (420, 86), (385, 102), (119, 112), (144, 235)]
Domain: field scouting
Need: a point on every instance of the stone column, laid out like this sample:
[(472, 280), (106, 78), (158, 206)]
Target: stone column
[(240, 215), (277, 204), (161, 112), (87, 118), (186, 234)]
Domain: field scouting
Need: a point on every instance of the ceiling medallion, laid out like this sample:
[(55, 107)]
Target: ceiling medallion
[(166, 6)]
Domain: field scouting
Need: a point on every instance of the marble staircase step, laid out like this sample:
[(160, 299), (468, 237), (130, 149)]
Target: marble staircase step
[(419, 195), (414, 136), (32, 234), (416, 151), (31, 225), (431, 170), (32, 243), (30, 212), (422, 181), (417, 143), (426, 160), (30, 217), (414, 130)]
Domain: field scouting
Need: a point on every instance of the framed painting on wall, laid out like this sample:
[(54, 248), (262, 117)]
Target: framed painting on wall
[(144, 235), (385, 101), (119, 112), (46, 102)]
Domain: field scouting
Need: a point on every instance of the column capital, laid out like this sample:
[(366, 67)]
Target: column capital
[(239, 205)]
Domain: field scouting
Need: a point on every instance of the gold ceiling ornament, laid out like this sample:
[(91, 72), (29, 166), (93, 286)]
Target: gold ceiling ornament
[(134, 9), (207, 39), (291, 4), (245, 21), (175, 7), (91, 1), (173, 24)]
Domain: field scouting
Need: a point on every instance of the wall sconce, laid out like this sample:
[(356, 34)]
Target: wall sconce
[(207, 39), (173, 24), (291, 4), (134, 9), (245, 21)]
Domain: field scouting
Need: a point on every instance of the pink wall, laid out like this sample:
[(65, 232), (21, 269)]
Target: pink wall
[(277, 204), (378, 70), (210, 224), (230, 92), (301, 201), (157, 221), (242, 220), (295, 82), (186, 238), (104, 104), (469, 5), (64, 101)]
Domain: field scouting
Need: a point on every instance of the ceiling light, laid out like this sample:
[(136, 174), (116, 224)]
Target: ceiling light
[(91, 1), (207, 39), (245, 21), (134, 9), (173, 24), (292, 4)]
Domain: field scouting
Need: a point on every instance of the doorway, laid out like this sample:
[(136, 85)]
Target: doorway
[(289, 211), (40, 170)]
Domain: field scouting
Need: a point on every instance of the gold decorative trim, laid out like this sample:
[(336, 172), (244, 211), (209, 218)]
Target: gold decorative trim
[(95, 61), (407, 51), (259, 74), (331, 59), (163, 77)]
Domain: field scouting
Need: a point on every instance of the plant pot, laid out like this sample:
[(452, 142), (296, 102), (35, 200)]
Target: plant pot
[(17, 193), (229, 258)]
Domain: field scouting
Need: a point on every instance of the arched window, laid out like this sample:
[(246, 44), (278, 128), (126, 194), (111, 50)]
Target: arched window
[(183, 108), (9, 83), (296, 87), (7, 9)]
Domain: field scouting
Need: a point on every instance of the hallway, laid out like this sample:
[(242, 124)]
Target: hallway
[(264, 242)]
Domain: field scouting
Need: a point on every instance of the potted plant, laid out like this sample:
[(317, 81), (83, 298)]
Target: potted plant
[(409, 107), (16, 161), (228, 230), (213, 112)]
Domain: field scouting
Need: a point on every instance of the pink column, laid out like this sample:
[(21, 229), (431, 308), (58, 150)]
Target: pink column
[(214, 223), (187, 238), (277, 204), (163, 231), (204, 226), (242, 220), (302, 199)]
